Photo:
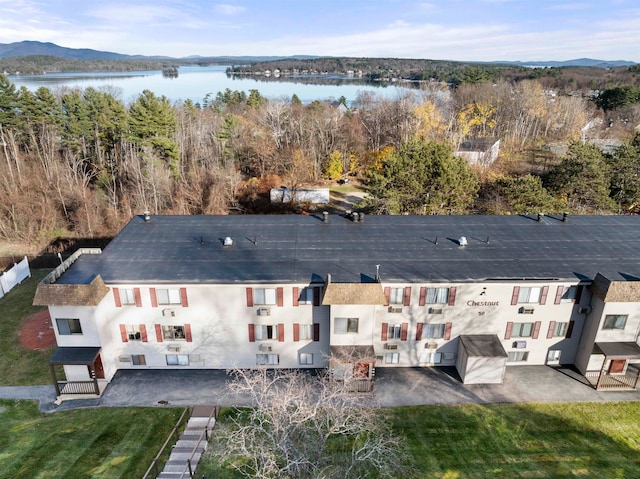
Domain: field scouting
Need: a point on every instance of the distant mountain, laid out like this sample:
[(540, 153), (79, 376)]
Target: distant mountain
[(30, 48), (578, 62)]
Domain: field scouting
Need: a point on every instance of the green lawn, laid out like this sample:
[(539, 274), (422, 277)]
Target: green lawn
[(587, 440), (20, 366), (109, 443)]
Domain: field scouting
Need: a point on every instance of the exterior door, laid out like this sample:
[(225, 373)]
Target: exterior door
[(617, 366), (97, 367)]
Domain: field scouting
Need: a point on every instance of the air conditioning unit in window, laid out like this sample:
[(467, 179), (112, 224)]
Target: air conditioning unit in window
[(264, 312), (174, 348), (393, 309), (124, 359), (431, 346), (390, 346), (519, 344), (584, 309), (379, 358), (266, 348), (168, 313), (435, 310)]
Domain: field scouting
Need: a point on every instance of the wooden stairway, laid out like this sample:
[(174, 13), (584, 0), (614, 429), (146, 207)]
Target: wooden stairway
[(187, 452)]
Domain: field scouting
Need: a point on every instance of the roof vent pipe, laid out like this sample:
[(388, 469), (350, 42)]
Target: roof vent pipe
[(462, 241), (540, 216), (565, 217), (361, 215), (147, 215), (228, 241), (325, 216), (355, 217)]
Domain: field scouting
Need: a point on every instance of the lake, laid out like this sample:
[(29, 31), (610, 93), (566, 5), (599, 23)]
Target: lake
[(196, 82)]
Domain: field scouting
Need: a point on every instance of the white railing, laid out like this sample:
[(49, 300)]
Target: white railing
[(16, 275), (56, 273)]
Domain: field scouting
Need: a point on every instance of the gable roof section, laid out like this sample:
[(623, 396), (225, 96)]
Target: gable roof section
[(61, 294), (353, 293), (616, 291)]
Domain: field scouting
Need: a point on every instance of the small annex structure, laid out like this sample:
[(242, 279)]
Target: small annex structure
[(479, 151), (327, 291)]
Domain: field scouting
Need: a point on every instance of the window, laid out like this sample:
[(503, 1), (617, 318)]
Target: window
[(437, 295), (517, 356), (346, 325), (306, 331), (263, 296), (168, 296), (305, 358), (553, 355), (267, 359), (560, 330), (177, 360), (396, 296), (522, 330), (394, 331), (133, 332), (127, 296), (529, 295), (570, 293), (433, 331), (138, 360), (392, 358), (431, 357), (615, 321), (173, 332), (306, 296), (67, 327), (263, 332)]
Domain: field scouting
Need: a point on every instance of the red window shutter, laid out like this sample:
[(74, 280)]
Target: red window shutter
[(559, 293), (536, 330), (543, 294), (404, 331), (116, 297), (514, 296), (419, 327), (569, 329), (187, 333), (507, 333), (296, 332), (407, 296), (249, 297), (384, 332), (447, 331), (138, 298), (159, 337), (552, 328), (123, 333), (143, 333), (252, 332), (183, 297), (423, 296), (452, 296), (280, 296), (296, 295), (316, 296), (154, 298), (281, 332), (387, 296), (316, 331)]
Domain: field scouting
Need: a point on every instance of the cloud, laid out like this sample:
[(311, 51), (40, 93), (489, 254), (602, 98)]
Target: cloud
[(227, 9)]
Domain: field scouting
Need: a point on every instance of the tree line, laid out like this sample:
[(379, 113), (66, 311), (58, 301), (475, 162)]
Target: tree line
[(82, 162)]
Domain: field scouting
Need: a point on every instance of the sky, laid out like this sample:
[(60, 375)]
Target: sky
[(474, 30)]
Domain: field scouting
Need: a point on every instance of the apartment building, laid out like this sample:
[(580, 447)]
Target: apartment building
[(353, 293)]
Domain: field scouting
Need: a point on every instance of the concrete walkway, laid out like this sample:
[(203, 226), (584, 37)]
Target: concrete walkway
[(393, 387)]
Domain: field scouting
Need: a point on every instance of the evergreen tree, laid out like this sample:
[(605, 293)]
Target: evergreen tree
[(9, 101)]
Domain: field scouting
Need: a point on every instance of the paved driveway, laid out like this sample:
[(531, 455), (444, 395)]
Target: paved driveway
[(393, 387)]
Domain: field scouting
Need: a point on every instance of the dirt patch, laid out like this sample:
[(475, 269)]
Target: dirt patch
[(37, 333)]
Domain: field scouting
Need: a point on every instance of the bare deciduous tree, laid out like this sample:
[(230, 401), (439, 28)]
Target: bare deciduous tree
[(304, 426)]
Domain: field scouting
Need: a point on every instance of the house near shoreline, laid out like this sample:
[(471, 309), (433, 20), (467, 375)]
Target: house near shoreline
[(352, 293)]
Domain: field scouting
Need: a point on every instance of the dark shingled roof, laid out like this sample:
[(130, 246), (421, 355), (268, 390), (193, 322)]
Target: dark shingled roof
[(77, 356), (301, 248)]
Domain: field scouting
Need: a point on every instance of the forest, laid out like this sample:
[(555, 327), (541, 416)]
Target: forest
[(80, 163)]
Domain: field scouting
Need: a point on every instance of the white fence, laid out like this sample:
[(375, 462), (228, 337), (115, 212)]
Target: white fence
[(15, 275)]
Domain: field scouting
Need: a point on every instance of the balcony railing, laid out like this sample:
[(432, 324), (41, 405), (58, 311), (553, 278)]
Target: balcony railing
[(78, 387), (603, 381)]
